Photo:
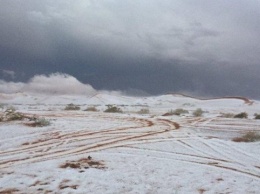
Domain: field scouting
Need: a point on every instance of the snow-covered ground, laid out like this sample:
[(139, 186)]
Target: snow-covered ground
[(98, 152)]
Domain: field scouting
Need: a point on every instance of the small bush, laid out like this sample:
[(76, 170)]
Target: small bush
[(144, 111), (227, 115), (257, 116), (178, 111), (198, 112), (248, 137), (10, 114), (92, 109), (241, 115), (72, 107), (38, 122), (14, 116), (113, 109), (42, 122)]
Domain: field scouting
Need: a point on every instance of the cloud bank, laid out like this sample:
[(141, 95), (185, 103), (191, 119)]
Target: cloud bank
[(205, 47), (54, 84)]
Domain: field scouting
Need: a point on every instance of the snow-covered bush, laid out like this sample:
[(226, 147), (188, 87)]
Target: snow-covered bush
[(198, 112), (92, 109), (178, 111), (227, 115), (250, 136), (144, 111), (241, 115), (72, 106), (10, 114), (113, 109), (41, 122), (257, 116)]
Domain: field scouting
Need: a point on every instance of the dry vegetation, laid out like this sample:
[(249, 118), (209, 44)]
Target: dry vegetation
[(72, 106), (250, 136), (113, 109), (9, 191), (242, 115), (227, 115), (84, 163), (144, 111), (257, 116), (38, 122), (198, 112), (10, 114), (91, 109), (66, 184), (178, 112)]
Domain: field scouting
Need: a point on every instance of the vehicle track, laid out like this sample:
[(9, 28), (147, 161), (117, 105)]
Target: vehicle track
[(200, 160), (137, 132), (85, 133), (147, 129)]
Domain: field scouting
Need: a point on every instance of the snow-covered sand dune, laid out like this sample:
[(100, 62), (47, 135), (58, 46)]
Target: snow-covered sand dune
[(98, 152)]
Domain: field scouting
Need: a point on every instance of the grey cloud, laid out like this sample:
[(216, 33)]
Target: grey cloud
[(7, 74), (157, 46), (186, 30)]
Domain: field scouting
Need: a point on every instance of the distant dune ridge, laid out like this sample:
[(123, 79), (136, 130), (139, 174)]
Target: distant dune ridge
[(64, 84)]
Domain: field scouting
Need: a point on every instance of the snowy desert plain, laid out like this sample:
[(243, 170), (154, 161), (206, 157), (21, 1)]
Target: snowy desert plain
[(138, 150)]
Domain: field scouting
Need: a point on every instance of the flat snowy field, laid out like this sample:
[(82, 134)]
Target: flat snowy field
[(97, 152)]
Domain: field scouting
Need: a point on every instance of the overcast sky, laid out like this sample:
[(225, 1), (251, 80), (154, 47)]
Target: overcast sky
[(202, 47)]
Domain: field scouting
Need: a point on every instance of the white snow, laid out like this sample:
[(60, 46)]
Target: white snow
[(141, 153)]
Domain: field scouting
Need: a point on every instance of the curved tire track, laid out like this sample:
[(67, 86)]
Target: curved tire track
[(120, 139)]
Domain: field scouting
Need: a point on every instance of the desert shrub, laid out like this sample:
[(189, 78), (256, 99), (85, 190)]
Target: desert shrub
[(250, 136), (10, 114), (14, 116), (72, 106), (180, 111), (257, 116), (144, 111), (92, 109), (40, 122), (241, 115), (113, 109), (198, 112), (227, 115)]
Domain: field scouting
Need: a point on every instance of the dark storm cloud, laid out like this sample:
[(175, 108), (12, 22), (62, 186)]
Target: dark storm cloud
[(209, 48)]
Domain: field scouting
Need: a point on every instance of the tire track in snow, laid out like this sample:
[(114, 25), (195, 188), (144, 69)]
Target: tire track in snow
[(215, 146), (147, 133), (193, 159), (105, 144), (140, 123), (229, 149)]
